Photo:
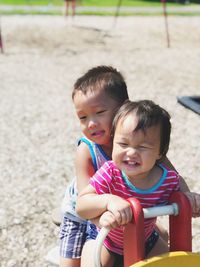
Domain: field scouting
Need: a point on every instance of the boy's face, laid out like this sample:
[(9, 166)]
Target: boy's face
[(135, 153), (95, 111)]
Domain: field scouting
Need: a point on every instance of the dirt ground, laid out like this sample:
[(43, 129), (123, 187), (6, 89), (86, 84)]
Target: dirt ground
[(43, 57)]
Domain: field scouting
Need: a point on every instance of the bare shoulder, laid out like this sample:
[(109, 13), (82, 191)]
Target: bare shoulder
[(83, 151), (83, 162)]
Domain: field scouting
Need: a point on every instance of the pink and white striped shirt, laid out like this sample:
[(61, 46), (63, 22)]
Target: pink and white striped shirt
[(110, 180)]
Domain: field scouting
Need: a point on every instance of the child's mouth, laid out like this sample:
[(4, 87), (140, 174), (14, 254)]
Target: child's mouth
[(131, 163), (98, 133)]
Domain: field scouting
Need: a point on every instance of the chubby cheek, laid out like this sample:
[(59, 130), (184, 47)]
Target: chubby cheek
[(108, 121), (112, 114), (84, 130), (114, 154), (149, 159), (117, 155)]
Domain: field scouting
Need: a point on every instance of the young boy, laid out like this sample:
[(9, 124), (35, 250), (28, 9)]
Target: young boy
[(97, 95)]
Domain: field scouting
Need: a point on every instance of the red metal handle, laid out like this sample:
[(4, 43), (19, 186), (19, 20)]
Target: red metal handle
[(180, 226), (134, 235), (180, 229)]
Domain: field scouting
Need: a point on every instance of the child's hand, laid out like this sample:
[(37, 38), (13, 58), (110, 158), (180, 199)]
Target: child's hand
[(108, 220), (120, 208), (194, 199)]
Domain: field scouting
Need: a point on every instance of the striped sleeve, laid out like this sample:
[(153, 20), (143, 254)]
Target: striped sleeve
[(101, 180)]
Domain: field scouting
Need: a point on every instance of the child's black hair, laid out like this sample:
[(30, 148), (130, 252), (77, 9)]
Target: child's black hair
[(105, 78)]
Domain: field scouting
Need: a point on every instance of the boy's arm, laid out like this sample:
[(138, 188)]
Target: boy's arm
[(183, 185), (83, 165), (194, 198)]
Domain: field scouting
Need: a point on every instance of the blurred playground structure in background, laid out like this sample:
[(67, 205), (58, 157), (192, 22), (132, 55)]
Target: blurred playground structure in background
[(1, 42), (76, 7), (72, 4)]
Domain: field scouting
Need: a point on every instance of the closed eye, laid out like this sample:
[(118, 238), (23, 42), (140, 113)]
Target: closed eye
[(101, 111), (122, 144), (143, 147), (82, 118)]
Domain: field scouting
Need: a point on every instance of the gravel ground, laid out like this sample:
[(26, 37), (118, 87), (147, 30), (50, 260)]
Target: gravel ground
[(43, 57)]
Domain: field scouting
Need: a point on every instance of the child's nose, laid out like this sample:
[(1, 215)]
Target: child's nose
[(92, 124), (131, 151)]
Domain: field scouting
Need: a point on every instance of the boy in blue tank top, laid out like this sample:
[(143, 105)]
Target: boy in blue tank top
[(97, 95)]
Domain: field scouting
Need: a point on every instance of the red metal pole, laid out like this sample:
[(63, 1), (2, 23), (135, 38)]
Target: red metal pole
[(134, 235), (166, 21), (117, 11), (180, 226), (1, 41)]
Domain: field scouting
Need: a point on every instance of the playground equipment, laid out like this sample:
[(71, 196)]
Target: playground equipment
[(1, 41), (179, 231), (164, 5), (191, 102)]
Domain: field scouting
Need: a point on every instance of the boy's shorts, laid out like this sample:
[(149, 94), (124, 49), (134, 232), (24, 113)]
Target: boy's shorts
[(72, 238)]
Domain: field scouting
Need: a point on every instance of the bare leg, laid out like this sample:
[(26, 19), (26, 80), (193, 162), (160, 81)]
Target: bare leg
[(162, 232), (73, 7), (160, 247), (66, 8), (64, 262)]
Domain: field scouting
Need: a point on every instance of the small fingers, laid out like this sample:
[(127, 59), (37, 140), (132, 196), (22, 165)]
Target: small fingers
[(123, 216), (126, 216), (108, 220)]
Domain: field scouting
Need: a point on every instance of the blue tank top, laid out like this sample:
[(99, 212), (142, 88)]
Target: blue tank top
[(98, 157)]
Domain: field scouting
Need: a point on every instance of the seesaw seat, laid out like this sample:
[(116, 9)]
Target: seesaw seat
[(171, 259)]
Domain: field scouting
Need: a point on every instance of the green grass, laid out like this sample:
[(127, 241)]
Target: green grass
[(128, 3), (98, 3), (89, 3)]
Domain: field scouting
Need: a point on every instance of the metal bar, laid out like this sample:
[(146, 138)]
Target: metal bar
[(161, 211)]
